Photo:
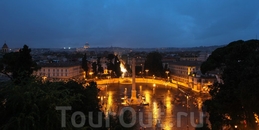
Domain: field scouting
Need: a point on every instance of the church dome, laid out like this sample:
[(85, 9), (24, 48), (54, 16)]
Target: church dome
[(4, 46)]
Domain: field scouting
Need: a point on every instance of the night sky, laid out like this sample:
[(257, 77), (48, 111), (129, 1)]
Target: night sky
[(127, 23)]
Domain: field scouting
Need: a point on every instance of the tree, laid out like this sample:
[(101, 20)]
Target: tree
[(94, 67), (114, 64), (85, 64), (154, 64), (32, 106), (204, 127), (117, 68), (236, 100), (8, 62), (100, 68), (110, 64), (20, 64)]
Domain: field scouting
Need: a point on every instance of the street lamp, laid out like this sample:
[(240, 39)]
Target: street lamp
[(91, 73), (84, 74), (187, 105), (109, 78), (106, 90), (146, 72), (235, 127), (167, 73), (140, 73), (110, 71), (44, 78)]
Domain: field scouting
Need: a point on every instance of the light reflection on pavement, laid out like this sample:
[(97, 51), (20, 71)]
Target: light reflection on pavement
[(164, 105)]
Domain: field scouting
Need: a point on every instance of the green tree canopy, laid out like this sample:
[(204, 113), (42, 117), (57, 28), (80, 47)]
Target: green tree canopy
[(236, 100)]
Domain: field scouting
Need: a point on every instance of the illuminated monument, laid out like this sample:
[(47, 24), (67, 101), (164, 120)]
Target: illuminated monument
[(134, 99)]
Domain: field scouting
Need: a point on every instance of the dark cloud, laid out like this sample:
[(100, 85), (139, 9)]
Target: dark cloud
[(127, 23)]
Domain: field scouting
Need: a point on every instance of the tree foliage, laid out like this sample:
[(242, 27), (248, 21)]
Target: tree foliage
[(20, 64), (154, 64), (32, 106), (117, 68), (27, 103), (94, 67), (100, 68), (236, 100), (85, 64), (114, 64), (204, 127)]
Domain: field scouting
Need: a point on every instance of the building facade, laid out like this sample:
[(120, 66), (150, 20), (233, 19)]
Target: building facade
[(60, 71), (187, 74)]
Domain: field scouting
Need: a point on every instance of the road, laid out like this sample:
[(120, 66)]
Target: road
[(167, 107)]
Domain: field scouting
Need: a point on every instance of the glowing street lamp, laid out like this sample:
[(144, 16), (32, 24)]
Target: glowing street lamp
[(109, 78), (235, 127), (91, 73), (84, 74), (147, 72), (110, 71), (44, 78), (167, 73)]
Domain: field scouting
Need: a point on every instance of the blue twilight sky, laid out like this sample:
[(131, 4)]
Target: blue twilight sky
[(127, 23)]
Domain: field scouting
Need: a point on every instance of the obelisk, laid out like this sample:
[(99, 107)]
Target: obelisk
[(133, 89)]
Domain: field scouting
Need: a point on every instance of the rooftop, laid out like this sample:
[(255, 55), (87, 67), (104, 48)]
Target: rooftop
[(5, 46), (186, 63), (60, 64)]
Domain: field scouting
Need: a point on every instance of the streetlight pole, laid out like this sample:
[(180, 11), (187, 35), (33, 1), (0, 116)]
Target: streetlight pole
[(110, 71), (91, 73), (106, 91), (44, 78), (167, 73), (187, 98), (84, 74), (109, 78), (146, 72)]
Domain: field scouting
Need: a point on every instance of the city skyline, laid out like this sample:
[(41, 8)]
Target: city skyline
[(132, 24)]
